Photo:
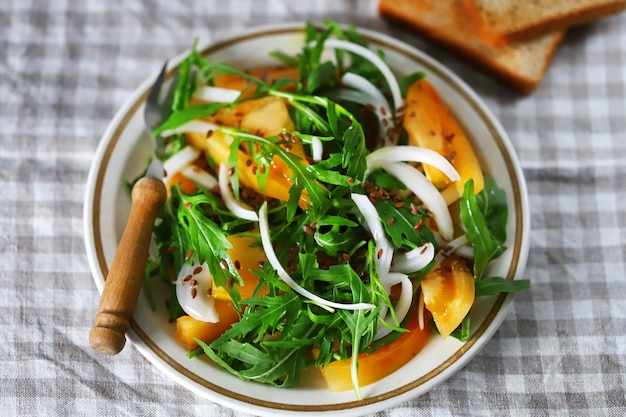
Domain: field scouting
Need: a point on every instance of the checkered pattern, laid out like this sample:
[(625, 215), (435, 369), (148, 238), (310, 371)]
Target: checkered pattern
[(65, 67)]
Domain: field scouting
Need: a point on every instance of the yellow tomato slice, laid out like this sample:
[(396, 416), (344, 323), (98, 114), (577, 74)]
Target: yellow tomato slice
[(188, 328), (381, 363), (448, 291), (247, 255), (430, 124)]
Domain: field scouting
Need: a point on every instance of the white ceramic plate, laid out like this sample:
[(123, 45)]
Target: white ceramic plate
[(123, 153)]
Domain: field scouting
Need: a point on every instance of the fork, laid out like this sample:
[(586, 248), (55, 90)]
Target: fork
[(123, 282)]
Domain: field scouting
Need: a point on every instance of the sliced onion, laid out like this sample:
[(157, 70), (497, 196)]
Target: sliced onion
[(273, 260), (374, 59), (237, 207), (382, 156), (420, 310), (373, 223), (200, 177), (355, 96), (317, 149), (180, 160), (459, 245), (402, 307), (192, 288), (413, 260), (192, 126), (376, 99), (426, 192), (216, 94)]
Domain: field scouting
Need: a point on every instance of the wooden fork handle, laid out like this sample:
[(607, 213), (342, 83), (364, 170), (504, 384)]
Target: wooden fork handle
[(122, 285)]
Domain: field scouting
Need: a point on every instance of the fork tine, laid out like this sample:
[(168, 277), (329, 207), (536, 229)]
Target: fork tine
[(152, 113), (153, 97)]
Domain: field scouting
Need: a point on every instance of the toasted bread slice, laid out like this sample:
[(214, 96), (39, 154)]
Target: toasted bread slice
[(519, 65), (499, 22)]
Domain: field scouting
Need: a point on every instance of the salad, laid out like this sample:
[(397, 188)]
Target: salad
[(322, 213)]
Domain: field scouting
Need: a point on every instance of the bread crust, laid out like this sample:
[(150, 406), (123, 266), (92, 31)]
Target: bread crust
[(499, 22), (519, 65)]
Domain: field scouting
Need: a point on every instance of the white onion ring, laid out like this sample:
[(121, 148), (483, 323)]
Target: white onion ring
[(382, 156), (192, 126), (317, 149), (403, 306), (273, 260), (237, 207), (374, 59), (373, 223), (426, 192), (213, 94), (414, 260), (374, 97), (192, 285), (179, 161), (199, 176)]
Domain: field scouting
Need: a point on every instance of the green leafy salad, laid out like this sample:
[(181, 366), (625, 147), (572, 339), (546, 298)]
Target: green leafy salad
[(320, 212)]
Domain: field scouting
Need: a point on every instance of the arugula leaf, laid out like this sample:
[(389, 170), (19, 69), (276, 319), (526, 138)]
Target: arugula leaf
[(245, 352), (203, 239), (180, 117), (493, 205), (497, 285), (407, 81), (486, 246)]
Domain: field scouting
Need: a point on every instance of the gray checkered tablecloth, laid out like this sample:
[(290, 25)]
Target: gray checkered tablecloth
[(67, 66)]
